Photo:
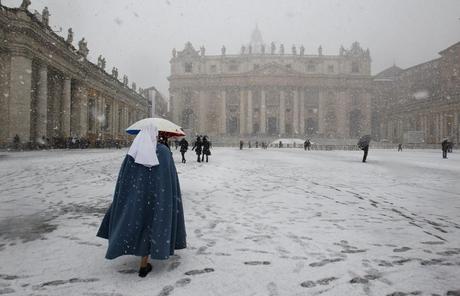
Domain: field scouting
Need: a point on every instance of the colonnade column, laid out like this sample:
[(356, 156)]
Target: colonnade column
[(282, 125), (20, 98), (295, 115), (302, 112), (42, 102), (242, 113), (263, 112), (79, 112), (66, 102), (115, 127), (223, 112), (249, 122)]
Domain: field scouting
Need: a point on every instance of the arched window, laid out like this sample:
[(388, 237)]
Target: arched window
[(188, 67), (354, 67)]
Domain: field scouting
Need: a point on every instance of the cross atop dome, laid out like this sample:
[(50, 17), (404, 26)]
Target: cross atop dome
[(256, 40)]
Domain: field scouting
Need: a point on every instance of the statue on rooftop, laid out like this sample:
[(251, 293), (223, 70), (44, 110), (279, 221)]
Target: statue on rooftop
[(83, 47), (69, 36), (174, 52), (46, 16), (294, 50), (282, 49), (223, 50), (320, 50), (302, 50), (115, 72), (25, 4), (134, 86), (125, 80), (243, 49), (103, 63), (272, 48), (202, 51)]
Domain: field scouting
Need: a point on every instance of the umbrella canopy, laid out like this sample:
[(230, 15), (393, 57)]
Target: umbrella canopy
[(168, 128), (364, 141)]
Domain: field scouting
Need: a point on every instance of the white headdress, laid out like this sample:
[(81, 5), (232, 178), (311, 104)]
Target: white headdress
[(143, 149)]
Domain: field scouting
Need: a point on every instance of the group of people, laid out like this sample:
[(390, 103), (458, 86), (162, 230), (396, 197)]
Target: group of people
[(201, 146), (263, 145)]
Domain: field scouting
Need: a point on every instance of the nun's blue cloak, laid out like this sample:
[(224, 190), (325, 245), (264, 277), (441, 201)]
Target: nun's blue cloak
[(146, 216)]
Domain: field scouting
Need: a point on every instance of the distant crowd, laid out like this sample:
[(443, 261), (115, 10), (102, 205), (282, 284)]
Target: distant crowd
[(67, 143)]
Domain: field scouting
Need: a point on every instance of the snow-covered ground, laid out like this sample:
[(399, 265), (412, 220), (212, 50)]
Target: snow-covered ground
[(259, 222)]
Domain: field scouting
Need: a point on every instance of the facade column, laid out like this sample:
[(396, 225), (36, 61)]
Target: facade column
[(321, 113), (223, 112), (115, 127), (295, 114), (79, 112), (250, 113), (442, 125), (456, 127), (66, 102), (342, 113), (174, 105), (242, 113), (302, 112), (42, 103), (20, 99), (263, 112), (202, 113), (282, 126)]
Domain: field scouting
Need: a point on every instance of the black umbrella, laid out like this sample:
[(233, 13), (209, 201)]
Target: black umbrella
[(364, 141)]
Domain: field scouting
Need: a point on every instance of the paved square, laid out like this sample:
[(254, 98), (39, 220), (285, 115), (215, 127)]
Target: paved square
[(259, 222)]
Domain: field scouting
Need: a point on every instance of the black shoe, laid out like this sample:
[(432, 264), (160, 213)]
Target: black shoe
[(143, 271)]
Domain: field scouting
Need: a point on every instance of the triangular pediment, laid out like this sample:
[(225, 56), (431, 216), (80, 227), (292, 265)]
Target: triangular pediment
[(274, 69)]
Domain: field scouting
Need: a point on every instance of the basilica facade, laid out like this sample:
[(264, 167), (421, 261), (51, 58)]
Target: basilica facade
[(266, 91)]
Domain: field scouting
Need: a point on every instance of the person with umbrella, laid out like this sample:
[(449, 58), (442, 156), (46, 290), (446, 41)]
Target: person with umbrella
[(363, 144), (206, 148), (183, 148), (198, 147), (146, 217), (445, 147)]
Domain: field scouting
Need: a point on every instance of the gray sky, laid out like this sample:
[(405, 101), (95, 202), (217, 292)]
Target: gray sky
[(138, 36)]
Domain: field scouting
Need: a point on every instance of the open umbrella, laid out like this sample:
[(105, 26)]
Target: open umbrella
[(364, 141), (168, 128)]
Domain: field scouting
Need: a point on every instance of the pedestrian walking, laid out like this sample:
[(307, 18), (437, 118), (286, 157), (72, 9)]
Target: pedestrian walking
[(198, 147), (206, 148), (241, 144), (363, 144), (249, 145), (183, 148), (445, 147), (399, 147), (146, 216), (280, 144), (306, 145), (366, 150), (257, 144)]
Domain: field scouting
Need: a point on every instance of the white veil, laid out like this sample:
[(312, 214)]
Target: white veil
[(143, 149)]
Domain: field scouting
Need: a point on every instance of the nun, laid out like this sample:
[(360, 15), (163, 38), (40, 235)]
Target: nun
[(146, 216)]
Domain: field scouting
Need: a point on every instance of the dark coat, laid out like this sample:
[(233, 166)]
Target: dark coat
[(206, 147), (146, 216), (198, 147), (445, 145), (183, 145)]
